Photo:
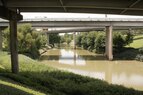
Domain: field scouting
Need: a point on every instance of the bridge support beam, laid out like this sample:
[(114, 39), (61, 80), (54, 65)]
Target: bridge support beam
[(13, 46), (0, 39), (108, 43), (74, 40)]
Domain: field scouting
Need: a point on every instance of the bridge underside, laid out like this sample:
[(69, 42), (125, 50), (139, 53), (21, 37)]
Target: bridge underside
[(10, 10), (126, 7)]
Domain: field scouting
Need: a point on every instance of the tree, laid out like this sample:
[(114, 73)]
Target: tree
[(84, 41), (54, 38), (78, 40), (67, 38), (29, 40), (91, 36), (119, 40), (100, 43), (129, 38)]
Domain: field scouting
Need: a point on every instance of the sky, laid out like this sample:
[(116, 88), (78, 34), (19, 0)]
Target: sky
[(73, 15)]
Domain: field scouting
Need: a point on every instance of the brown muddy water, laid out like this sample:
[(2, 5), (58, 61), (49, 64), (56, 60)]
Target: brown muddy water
[(123, 72)]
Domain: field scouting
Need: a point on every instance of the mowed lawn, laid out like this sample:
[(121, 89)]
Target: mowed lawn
[(138, 42)]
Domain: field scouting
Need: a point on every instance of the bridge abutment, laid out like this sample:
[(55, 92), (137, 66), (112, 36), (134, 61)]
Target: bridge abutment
[(109, 43)]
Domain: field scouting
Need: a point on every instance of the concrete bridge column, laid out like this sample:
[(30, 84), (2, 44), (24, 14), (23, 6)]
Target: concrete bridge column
[(0, 39), (108, 43), (13, 46), (48, 39), (74, 40)]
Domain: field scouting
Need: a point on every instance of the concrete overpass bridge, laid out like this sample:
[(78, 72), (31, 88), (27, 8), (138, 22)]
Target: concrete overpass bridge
[(10, 10), (79, 22), (61, 25)]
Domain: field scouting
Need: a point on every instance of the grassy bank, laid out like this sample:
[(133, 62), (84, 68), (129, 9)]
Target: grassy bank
[(36, 78), (131, 51), (137, 42), (10, 87)]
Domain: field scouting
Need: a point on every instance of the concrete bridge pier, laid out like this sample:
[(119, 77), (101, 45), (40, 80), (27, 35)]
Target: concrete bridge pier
[(48, 39), (13, 46), (109, 43), (0, 39), (74, 40)]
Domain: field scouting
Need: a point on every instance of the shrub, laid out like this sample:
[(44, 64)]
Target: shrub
[(139, 57), (141, 50)]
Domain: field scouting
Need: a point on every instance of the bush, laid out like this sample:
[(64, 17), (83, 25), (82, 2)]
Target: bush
[(141, 50), (139, 57)]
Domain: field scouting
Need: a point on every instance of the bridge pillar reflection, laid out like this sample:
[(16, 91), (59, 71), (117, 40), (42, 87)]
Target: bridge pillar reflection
[(109, 43), (0, 39), (74, 40)]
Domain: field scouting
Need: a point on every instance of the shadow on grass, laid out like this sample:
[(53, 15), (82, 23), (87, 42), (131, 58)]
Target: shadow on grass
[(65, 83), (8, 90), (138, 38)]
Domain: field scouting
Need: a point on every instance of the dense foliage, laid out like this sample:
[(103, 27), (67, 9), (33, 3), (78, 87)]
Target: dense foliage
[(29, 40), (54, 39), (95, 41), (67, 38)]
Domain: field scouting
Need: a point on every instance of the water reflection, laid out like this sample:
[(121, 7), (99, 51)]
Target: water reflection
[(71, 58), (127, 73)]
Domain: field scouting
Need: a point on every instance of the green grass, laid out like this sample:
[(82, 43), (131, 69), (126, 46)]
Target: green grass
[(9, 87), (138, 42), (35, 77)]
